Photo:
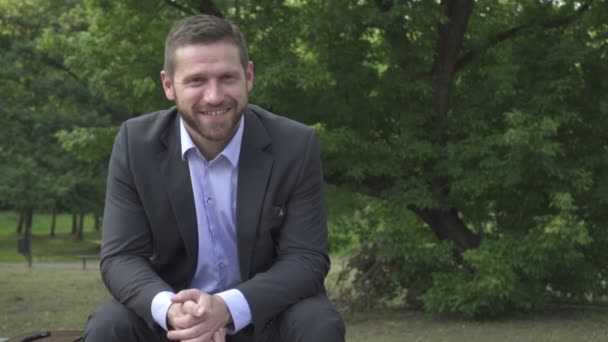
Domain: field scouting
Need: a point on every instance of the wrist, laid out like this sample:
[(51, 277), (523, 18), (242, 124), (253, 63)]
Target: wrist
[(225, 310), (171, 314)]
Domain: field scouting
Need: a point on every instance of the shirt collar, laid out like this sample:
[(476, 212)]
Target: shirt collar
[(231, 152)]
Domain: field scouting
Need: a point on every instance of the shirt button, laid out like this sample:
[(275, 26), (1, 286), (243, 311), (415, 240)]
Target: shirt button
[(210, 201)]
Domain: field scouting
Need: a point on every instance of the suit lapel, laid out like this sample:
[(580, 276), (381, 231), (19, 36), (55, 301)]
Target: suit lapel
[(179, 188), (255, 166)]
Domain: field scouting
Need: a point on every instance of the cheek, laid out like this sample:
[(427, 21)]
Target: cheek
[(238, 92), (188, 96)]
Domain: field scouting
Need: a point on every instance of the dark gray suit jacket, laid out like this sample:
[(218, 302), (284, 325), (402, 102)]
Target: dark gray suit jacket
[(150, 228)]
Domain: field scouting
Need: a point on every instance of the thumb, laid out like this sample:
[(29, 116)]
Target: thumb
[(185, 295), (202, 304), (193, 308)]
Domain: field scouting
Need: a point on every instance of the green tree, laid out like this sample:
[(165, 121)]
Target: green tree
[(475, 127), (40, 97), (483, 118)]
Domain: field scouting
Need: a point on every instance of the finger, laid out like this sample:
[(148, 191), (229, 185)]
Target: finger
[(184, 295), (191, 308), (177, 318), (197, 333), (219, 336), (186, 321), (197, 340)]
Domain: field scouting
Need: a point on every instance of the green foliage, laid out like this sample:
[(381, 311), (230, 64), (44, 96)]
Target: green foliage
[(42, 95), (516, 151), (89, 145), (525, 158), (518, 271), (510, 271), (343, 214), (396, 254)]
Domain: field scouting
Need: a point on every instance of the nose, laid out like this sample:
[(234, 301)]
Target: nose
[(214, 94)]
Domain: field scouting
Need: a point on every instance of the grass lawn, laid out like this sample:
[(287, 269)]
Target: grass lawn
[(62, 247), (61, 297), (560, 325), (51, 298)]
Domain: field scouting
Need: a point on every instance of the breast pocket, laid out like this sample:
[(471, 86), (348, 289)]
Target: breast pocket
[(272, 218)]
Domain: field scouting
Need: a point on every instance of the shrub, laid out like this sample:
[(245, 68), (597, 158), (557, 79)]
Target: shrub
[(514, 270)]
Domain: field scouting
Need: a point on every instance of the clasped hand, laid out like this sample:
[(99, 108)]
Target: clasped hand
[(197, 316)]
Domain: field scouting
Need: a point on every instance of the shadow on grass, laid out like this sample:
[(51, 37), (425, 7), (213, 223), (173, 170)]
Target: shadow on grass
[(62, 247)]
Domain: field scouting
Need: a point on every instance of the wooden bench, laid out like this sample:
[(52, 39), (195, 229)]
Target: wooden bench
[(85, 257), (55, 336)]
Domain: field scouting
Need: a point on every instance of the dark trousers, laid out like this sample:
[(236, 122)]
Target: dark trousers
[(314, 319)]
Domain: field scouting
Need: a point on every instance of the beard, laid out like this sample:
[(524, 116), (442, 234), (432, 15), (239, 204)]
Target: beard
[(213, 129)]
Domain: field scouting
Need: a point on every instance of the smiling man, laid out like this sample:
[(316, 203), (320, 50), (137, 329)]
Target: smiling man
[(214, 226)]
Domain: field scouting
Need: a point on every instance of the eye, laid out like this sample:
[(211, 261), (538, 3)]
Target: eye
[(228, 77), (194, 82)]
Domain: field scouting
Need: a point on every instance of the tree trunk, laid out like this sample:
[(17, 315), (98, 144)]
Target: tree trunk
[(447, 225), (29, 220), (74, 223), (97, 222), (53, 221), (29, 215), (445, 222), (21, 221), (81, 227)]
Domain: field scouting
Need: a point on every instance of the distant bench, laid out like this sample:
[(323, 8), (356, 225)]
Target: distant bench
[(85, 257)]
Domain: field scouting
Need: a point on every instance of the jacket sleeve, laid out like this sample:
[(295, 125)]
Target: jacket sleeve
[(127, 241), (301, 245)]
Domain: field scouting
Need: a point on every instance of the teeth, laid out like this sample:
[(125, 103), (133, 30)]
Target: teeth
[(216, 112)]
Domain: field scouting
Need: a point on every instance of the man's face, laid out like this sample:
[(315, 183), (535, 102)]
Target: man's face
[(210, 88)]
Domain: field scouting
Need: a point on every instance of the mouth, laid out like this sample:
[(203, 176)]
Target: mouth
[(215, 112)]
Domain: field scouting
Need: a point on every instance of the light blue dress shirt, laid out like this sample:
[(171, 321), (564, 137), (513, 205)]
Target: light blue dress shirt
[(214, 185)]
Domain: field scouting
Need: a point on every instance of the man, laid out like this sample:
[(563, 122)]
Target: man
[(214, 220)]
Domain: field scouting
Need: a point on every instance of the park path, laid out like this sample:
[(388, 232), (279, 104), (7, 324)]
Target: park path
[(91, 265)]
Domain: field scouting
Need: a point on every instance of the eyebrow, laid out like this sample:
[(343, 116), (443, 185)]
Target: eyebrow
[(192, 77)]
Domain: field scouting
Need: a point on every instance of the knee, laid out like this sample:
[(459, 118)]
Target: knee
[(112, 322), (324, 326), (313, 319)]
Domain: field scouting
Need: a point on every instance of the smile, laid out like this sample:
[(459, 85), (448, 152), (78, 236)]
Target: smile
[(216, 112)]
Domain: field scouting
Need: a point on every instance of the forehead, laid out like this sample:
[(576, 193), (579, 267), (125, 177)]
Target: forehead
[(219, 56)]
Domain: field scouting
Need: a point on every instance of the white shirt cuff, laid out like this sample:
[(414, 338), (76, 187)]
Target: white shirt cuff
[(239, 310), (160, 307)]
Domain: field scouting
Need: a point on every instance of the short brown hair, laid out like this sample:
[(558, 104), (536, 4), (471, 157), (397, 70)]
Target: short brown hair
[(203, 29)]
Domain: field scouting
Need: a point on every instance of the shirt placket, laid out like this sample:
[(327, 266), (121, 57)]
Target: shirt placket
[(213, 224)]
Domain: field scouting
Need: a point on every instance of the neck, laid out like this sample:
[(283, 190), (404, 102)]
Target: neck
[(208, 148)]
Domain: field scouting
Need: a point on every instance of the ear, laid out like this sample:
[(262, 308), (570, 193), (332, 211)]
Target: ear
[(249, 75), (167, 85)]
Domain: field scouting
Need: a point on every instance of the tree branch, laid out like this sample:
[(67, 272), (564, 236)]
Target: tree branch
[(513, 32), (33, 54), (60, 66), (205, 7), (384, 5), (179, 7), (208, 7), (449, 42)]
